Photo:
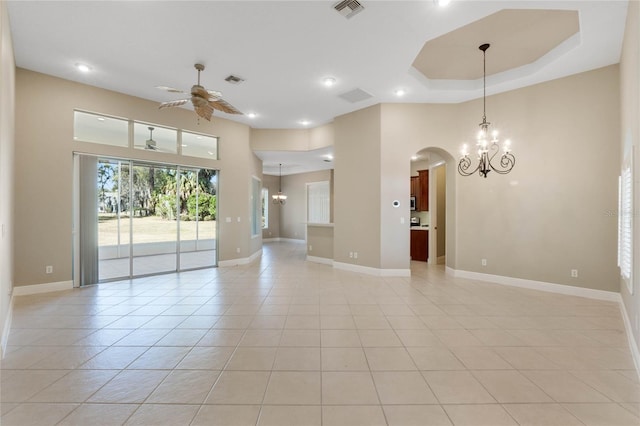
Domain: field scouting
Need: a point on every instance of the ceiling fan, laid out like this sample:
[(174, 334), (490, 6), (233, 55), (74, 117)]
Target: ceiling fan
[(204, 101), (150, 144)]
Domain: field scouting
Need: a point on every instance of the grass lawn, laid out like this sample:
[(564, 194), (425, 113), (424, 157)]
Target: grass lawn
[(151, 229)]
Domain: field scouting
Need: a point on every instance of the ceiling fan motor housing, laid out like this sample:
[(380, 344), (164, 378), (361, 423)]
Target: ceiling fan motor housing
[(199, 96)]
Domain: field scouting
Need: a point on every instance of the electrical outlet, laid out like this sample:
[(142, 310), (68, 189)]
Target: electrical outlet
[(351, 254), (355, 254), (402, 221), (310, 247), (237, 249), (227, 219), (484, 262), (574, 273), (238, 218), (48, 269)]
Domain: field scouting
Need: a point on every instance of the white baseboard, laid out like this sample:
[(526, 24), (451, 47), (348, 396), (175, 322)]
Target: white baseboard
[(277, 239), (25, 290), (569, 290), (323, 260), (6, 329), (240, 261), (372, 271), (633, 345)]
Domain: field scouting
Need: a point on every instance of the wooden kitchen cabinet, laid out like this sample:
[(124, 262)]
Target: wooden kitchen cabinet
[(419, 245), (423, 194), (415, 186)]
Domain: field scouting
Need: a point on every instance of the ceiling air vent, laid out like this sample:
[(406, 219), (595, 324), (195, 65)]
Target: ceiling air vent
[(355, 95), (348, 8), (234, 79)]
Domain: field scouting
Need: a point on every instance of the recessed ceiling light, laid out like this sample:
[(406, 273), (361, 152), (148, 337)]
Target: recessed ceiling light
[(400, 92), (198, 137), (442, 3), (414, 157), (304, 122), (100, 118), (252, 115), (83, 67), (209, 152), (184, 145), (329, 81)]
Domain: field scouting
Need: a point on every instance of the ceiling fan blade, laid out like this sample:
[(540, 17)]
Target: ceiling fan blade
[(205, 111), (170, 89), (173, 103), (224, 106)]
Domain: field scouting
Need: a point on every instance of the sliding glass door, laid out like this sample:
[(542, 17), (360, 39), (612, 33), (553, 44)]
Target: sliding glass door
[(151, 219), (154, 237), (197, 223)]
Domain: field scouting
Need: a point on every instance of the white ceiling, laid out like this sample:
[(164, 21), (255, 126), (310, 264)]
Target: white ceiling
[(284, 49)]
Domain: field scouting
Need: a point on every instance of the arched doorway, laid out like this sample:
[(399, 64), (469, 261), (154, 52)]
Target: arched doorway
[(438, 219)]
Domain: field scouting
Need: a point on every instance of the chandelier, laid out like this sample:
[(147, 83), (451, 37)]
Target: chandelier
[(279, 198), (487, 144)]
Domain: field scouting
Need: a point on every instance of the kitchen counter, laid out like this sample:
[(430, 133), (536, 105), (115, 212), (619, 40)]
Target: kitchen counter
[(420, 228)]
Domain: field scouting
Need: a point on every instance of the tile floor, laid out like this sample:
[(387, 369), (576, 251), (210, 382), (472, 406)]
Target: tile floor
[(110, 269), (287, 342)]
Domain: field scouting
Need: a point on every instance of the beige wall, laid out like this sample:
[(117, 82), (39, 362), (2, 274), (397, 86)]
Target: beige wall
[(630, 136), (548, 216), (320, 241), (440, 175), (7, 147), (292, 139), (545, 218), (357, 187), (293, 215), (44, 147)]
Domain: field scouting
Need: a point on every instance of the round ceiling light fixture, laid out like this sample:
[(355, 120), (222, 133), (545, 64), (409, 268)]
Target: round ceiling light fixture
[(329, 81), (252, 115), (400, 92), (442, 3), (304, 122), (83, 67)]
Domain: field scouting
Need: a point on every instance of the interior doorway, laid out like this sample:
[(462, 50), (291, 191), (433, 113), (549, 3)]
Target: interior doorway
[(433, 219), (139, 218)]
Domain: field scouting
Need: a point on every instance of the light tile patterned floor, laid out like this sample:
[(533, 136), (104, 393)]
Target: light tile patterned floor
[(287, 342)]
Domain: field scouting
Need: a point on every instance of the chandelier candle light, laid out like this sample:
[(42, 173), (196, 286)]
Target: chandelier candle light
[(487, 144), (279, 198)]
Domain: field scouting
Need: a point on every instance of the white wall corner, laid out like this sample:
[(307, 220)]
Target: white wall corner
[(240, 261), (323, 260), (6, 330), (25, 290), (569, 290), (633, 345), (372, 271)]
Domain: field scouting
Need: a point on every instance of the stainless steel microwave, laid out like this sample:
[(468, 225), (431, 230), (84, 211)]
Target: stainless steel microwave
[(412, 203)]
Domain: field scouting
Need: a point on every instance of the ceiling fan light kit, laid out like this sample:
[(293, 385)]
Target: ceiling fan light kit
[(204, 101)]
